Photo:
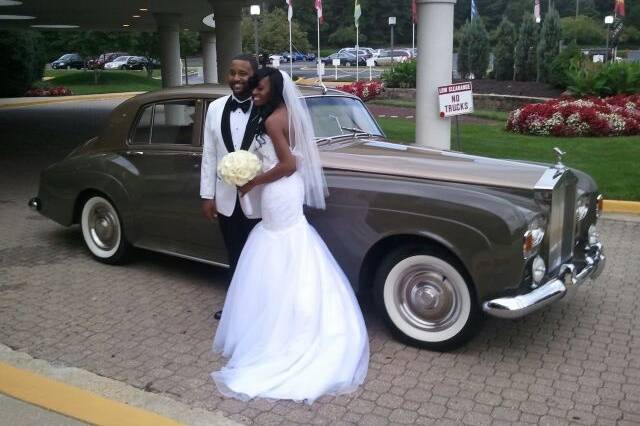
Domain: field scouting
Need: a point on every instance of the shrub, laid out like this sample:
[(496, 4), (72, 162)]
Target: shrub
[(505, 41), (364, 90), (589, 79), (22, 61), (525, 53), (549, 45), (584, 30), (474, 49), (558, 71), (613, 116), (402, 75), (49, 91)]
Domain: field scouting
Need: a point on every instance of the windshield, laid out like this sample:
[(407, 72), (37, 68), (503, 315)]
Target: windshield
[(66, 57), (121, 59), (333, 115)]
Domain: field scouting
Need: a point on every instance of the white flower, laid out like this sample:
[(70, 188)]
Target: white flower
[(239, 167)]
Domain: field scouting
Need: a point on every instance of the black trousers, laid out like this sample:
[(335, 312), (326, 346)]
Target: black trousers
[(235, 231)]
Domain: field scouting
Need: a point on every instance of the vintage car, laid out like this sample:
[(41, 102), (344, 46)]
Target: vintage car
[(438, 238)]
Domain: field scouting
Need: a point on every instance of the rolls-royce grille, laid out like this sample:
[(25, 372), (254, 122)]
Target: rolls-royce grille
[(561, 220)]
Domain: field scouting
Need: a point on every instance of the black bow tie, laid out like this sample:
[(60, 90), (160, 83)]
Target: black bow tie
[(244, 106)]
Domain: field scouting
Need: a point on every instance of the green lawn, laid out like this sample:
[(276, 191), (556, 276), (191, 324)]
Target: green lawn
[(82, 82), (613, 162), (407, 103)]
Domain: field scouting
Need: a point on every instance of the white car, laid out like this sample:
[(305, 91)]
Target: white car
[(385, 57), (118, 63)]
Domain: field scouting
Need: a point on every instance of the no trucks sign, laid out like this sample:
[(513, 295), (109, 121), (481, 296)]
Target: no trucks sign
[(455, 99)]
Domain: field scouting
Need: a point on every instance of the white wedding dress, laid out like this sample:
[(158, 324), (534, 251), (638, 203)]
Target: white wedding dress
[(291, 325)]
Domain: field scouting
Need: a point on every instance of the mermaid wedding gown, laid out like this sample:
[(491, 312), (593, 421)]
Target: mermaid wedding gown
[(291, 325)]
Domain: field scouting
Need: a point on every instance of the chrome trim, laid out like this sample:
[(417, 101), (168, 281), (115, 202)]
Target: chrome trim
[(554, 289), (182, 256), (35, 204)]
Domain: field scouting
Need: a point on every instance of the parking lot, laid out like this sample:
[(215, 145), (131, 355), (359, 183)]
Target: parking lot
[(150, 323)]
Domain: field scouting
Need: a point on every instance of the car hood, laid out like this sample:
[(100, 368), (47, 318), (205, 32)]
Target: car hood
[(378, 156)]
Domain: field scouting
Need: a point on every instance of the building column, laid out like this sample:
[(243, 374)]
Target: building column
[(169, 49), (435, 44), (209, 60), (228, 16)]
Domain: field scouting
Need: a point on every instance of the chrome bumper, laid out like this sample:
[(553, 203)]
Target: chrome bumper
[(568, 278)]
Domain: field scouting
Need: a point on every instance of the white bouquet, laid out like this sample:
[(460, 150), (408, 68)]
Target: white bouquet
[(239, 167)]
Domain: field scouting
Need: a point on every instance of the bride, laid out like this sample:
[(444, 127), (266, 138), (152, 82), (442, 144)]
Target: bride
[(291, 325)]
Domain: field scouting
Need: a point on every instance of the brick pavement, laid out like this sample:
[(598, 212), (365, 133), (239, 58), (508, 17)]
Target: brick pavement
[(150, 324)]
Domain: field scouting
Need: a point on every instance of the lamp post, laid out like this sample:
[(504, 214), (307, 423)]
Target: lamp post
[(608, 20), (538, 20), (255, 12), (392, 23)]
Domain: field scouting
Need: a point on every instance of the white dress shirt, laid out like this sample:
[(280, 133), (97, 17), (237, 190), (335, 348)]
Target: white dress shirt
[(238, 122)]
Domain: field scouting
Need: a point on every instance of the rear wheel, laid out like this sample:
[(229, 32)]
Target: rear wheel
[(102, 230), (425, 299)]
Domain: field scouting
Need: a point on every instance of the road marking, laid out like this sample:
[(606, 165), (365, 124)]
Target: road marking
[(72, 401)]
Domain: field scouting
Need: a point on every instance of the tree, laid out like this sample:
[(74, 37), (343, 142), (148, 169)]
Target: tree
[(273, 33), (505, 42), (549, 45), (474, 50), (583, 30), (147, 45), (525, 52), (23, 61)]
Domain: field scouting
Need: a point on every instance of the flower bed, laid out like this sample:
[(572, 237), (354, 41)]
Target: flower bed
[(49, 91), (365, 90), (613, 116)]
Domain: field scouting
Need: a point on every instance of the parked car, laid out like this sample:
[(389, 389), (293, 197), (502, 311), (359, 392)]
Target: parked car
[(437, 237), (141, 63), (101, 60), (363, 53), (346, 59), (387, 56), (309, 56), (119, 63), (68, 61)]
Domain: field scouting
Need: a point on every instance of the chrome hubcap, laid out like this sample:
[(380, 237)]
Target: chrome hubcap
[(426, 299), (103, 226)]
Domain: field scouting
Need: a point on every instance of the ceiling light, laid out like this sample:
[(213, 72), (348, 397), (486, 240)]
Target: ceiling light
[(209, 21), (16, 17), (136, 16), (10, 3), (126, 25), (143, 10), (55, 26)]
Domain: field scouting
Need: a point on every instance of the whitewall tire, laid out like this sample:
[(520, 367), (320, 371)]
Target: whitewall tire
[(102, 230), (426, 300)]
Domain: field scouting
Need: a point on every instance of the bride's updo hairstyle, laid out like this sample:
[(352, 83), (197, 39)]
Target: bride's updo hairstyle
[(275, 96)]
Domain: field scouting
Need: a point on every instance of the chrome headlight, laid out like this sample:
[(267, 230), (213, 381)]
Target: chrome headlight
[(582, 207), (594, 238), (533, 236)]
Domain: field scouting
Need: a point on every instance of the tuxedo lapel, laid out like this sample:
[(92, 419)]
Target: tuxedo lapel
[(225, 126), (250, 130)]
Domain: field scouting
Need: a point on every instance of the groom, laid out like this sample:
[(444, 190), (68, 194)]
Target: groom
[(230, 125)]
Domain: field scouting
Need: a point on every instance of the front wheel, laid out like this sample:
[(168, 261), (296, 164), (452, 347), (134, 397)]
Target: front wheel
[(425, 299), (102, 230)]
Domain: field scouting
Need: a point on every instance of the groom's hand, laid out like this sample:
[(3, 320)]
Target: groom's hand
[(209, 209)]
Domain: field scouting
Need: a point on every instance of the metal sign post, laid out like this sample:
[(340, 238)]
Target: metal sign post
[(336, 62), (370, 63)]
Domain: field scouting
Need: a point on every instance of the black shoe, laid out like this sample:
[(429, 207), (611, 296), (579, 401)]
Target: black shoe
[(218, 315)]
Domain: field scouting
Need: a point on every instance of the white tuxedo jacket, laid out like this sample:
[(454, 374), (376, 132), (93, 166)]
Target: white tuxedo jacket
[(211, 185)]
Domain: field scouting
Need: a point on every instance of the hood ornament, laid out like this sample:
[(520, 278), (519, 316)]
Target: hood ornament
[(559, 153)]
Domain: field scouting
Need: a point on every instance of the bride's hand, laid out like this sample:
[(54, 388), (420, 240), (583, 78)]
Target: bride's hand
[(244, 189)]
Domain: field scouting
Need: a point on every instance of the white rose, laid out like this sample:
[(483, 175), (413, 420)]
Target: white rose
[(239, 167)]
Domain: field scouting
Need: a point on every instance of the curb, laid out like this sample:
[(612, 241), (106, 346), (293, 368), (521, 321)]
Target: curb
[(94, 399), (618, 206), (49, 100)]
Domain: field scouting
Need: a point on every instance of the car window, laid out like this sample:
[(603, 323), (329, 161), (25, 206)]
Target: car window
[(168, 123), (332, 114), (173, 123)]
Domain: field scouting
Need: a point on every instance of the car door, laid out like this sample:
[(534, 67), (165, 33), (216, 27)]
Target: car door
[(164, 147)]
